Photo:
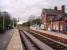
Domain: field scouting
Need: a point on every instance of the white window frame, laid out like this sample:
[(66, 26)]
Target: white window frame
[(65, 18)]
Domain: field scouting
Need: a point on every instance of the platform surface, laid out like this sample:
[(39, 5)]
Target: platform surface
[(15, 42)]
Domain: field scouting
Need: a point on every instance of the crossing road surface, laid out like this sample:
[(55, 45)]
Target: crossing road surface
[(4, 39)]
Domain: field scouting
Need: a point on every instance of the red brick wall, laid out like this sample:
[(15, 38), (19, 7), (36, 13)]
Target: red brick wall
[(62, 23)]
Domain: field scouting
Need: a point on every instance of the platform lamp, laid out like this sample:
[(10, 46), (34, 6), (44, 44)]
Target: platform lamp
[(3, 21)]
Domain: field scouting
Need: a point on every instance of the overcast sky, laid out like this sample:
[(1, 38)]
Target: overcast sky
[(24, 8)]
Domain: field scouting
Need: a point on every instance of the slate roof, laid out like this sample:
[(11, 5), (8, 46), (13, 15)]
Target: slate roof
[(58, 13), (65, 14), (52, 11), (60, 16)]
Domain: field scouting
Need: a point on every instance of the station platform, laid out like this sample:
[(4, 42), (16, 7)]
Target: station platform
[(15, 42)]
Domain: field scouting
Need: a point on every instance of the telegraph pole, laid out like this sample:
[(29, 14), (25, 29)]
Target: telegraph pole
[(3, 22)]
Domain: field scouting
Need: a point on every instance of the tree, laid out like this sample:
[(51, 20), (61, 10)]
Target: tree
[(13, 22), (26, 24), (5, 20), (37, 21)]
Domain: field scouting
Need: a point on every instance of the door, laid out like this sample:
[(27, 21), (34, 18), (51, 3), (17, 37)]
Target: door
[(66, 28)]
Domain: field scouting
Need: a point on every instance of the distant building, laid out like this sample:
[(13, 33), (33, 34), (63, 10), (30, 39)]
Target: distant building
[(55, 19)]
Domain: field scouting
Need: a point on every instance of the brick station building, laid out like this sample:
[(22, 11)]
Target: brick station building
[(55, 19)]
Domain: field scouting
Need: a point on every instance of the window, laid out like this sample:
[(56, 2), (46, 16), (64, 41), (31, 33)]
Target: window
[(65, 28), (65, 19)]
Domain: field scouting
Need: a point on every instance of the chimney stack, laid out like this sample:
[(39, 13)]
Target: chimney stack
[(55, 8), (63, 8)]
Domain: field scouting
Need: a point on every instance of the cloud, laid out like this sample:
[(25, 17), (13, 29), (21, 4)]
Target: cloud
[(24, 8)]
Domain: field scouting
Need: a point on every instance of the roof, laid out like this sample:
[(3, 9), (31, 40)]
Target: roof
[(57, 13), (52, 11), (65, 14), (60, 16)]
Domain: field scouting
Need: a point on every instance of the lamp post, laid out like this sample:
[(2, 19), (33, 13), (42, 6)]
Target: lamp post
[(13, 22), (51, 23), (3, 22)]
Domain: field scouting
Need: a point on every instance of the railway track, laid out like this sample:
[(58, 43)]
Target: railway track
[(32, 43), (51, 43), (28, 44)]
